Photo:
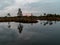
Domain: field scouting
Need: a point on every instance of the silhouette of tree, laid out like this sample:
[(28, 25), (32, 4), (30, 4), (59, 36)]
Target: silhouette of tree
[(19, 12), (31, 16), (8, 14), (55, 15), (45, 14)]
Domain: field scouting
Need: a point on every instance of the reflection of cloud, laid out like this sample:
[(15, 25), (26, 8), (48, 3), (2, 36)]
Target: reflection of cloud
[(7, 34), (26, 35)]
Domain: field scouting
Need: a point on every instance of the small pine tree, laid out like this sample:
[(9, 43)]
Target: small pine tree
[(45, 14), (19, 12), (8, 14)]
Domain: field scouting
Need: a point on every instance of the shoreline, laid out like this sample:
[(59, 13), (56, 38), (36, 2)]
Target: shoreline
[(30, 19)]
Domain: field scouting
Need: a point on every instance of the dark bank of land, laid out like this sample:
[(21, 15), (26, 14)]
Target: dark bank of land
[(22, 19), (30, 19)]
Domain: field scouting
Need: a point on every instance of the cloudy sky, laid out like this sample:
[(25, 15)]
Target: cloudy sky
[(29, 6)]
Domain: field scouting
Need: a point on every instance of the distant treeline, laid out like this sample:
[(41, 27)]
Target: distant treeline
[(51, 15)]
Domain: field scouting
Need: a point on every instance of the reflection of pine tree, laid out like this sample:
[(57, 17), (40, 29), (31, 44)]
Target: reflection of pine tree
[(19, 12), (20, 28), (48, 22), (9, 25)]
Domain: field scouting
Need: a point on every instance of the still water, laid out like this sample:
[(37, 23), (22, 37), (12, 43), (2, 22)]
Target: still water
[(41, 33)]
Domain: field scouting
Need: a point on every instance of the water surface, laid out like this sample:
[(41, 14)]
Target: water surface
[(41, 33)]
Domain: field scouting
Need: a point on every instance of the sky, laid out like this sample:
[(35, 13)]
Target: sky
[(29, 6)]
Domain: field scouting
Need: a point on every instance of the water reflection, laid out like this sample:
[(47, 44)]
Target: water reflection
[(48, 22), (9, 26), (20, 27), (31, 34)]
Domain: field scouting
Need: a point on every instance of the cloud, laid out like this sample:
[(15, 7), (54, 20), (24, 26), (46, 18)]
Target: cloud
[(29, 6), (5, 3), (26, 1), (23, 2)]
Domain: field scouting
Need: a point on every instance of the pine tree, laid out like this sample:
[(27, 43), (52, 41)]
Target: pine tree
[(8, 14), (19, 12)]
